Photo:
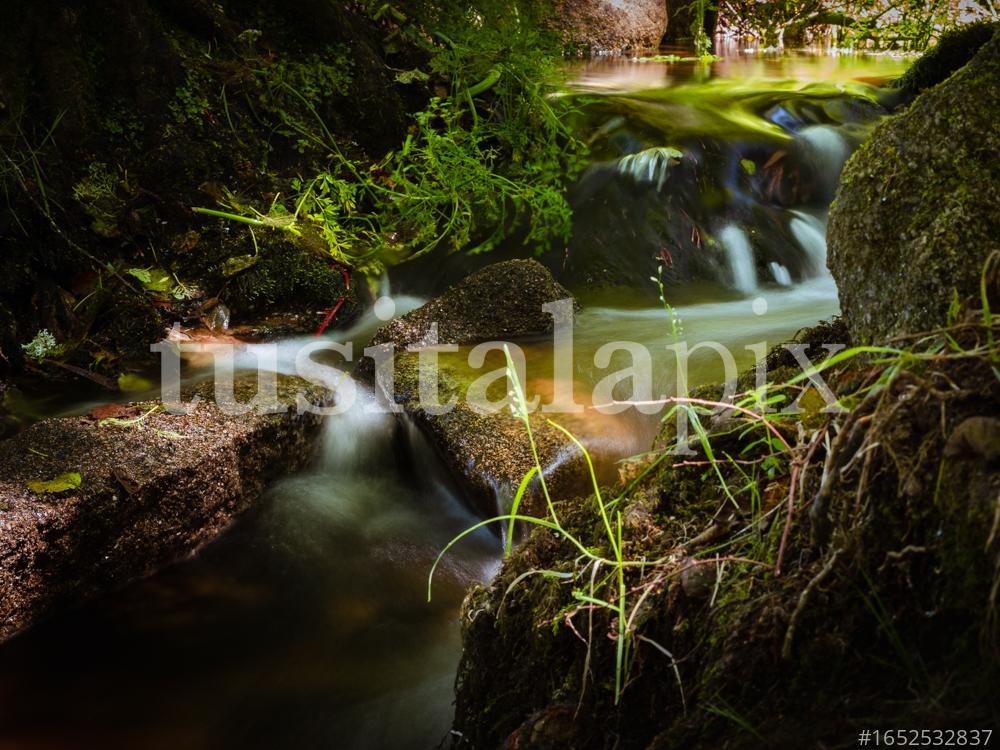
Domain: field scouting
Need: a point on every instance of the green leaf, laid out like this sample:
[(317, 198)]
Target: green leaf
[(61, 483), (954, 308), (514, 507), (159, 280), (238, 263), (142, 274), (171, 435)]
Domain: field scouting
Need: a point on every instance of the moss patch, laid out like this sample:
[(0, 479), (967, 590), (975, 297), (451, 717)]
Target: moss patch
[(955, 48)]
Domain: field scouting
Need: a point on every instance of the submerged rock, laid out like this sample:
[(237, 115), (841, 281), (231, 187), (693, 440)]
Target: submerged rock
[(133, 495), (748, 162), (917, 212)]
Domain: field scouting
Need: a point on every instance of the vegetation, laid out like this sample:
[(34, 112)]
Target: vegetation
[(719, 591), (910, 25), (272, 131), (797, 572), (489, 155)]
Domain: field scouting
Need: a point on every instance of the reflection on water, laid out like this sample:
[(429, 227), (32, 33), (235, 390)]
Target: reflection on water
[(623, 74)]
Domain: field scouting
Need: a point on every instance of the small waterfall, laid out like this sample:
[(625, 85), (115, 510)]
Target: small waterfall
[(650, 166), (810, 233), (739, 256), (780, 274), (360, 439), (828, 150)]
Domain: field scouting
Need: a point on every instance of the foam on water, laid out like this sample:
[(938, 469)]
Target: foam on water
[(780, 274), (828, 149)]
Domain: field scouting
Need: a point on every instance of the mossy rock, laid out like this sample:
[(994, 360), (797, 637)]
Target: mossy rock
[(917, 211), (286, 277), (129, 325), (500, 302), (954, 50), (890, 610), (488, 453)]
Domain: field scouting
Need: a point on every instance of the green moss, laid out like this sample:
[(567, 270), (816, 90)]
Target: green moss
[(123, 124), (918, 207), (128, 325), (286, 277), (102, 193), (190, 103), (955, 48)]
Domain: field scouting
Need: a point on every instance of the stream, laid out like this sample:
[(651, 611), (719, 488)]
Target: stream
[(307, 625)]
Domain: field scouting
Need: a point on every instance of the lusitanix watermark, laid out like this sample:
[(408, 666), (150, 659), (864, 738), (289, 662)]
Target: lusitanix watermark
[(637, 380)]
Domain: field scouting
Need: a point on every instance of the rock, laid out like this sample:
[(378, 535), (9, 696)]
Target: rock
[(917, 211), (218, 318), (552, 727), (698, 579), (148, 494), (955, 48), (488, 454), (498, 303), (611, 26), (976, 437)]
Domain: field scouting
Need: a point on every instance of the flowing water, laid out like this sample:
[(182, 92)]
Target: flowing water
[(307, 624)]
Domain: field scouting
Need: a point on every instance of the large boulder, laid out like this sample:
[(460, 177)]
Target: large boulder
[(917, 212), (954, 50), (611, 26), (148, 492)]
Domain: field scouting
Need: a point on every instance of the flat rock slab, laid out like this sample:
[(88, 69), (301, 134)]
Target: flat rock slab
[(487, 454), (149, 494)]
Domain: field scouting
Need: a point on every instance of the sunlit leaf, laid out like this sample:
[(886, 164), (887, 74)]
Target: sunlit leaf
[(62, 483)]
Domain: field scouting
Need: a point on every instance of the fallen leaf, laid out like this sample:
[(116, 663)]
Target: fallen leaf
[(62, 483), (171, 435), (106, 411)]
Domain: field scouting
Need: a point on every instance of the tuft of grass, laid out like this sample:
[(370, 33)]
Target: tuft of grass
[(616, 603)]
